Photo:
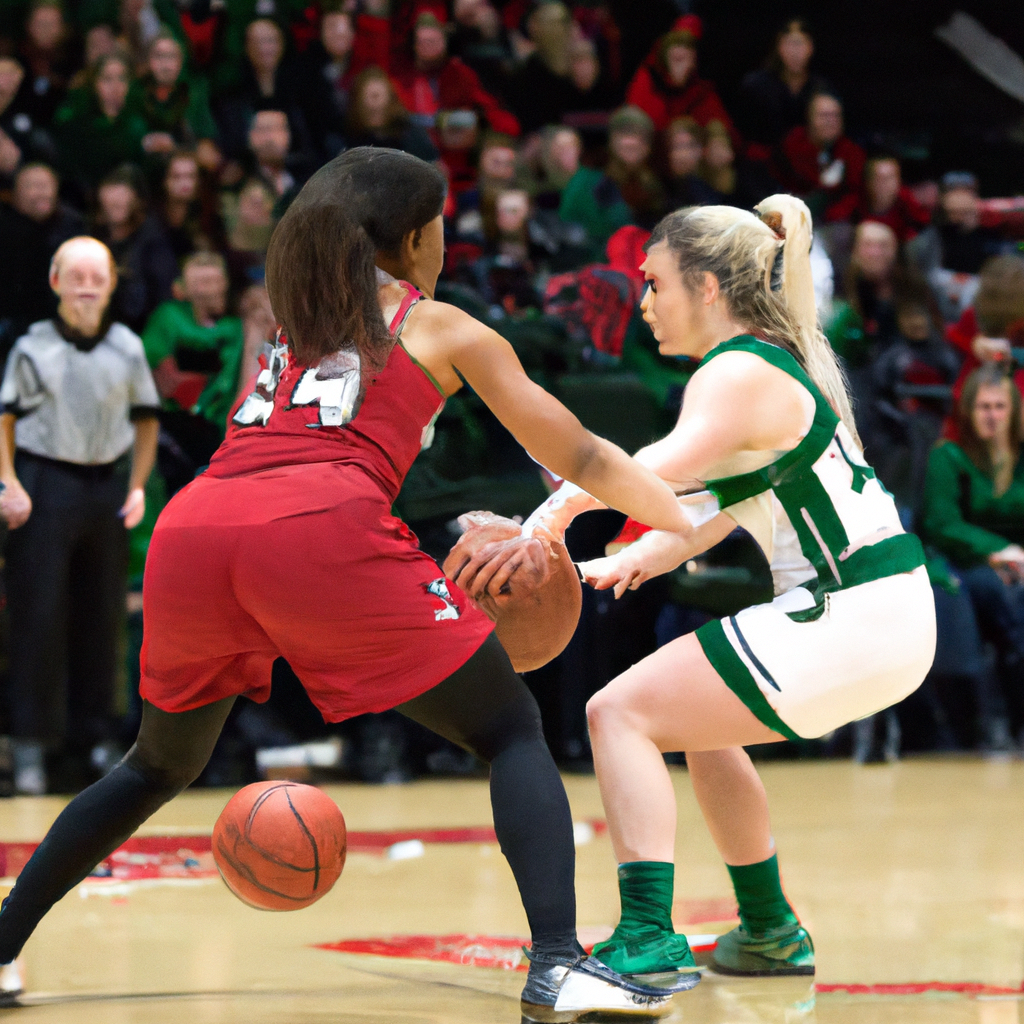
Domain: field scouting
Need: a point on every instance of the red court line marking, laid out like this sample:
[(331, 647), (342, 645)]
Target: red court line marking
[(917, 988), (473, 950), (189, 856)]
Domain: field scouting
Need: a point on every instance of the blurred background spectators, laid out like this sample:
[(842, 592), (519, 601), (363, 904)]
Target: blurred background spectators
[(178, 132)]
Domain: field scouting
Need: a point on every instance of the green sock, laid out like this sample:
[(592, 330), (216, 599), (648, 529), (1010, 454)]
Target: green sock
[(645, 890), (763, 904)]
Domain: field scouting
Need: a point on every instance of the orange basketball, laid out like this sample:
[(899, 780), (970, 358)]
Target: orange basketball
[(280, 845), (537, 611)]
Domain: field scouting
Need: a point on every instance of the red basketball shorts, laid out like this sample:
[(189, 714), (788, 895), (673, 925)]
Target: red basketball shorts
[(306, 563)]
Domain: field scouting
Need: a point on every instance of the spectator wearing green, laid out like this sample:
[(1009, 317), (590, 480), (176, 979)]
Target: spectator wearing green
[(592, 200), (973, 515), (240, 14), (174, 104), (974, 493), (195, 352), (95, 128), (868, 315)]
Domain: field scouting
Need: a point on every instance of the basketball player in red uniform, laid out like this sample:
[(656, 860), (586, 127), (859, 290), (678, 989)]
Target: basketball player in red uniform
[(286, 547)]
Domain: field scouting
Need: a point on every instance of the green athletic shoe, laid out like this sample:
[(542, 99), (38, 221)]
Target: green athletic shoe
[(659, 958), (775, 953)]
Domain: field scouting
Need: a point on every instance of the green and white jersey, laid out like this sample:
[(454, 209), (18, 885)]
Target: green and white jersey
[(819, 513), (852, 626)]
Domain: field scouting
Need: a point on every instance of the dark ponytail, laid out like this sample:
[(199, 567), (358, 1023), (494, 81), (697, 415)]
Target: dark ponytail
[(322, 283), (321, 263)]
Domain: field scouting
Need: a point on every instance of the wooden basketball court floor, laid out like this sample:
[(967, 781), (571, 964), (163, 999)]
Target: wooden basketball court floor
[(910, 878)]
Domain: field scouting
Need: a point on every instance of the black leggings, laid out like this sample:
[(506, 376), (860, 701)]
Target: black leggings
[(484, 707)]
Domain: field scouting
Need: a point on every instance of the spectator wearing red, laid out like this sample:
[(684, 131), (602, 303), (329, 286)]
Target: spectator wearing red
[(666, 85), (818, 162), (884, 198), (994, 325), (433, 81)]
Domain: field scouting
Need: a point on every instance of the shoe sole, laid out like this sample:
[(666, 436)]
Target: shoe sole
[(535, 1014), (669, 982), (770, 972)]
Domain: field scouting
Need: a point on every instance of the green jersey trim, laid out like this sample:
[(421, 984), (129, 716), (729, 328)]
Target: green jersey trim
[(426, 372), (729, 665), (731, 490), (800, 491), (398, 339)]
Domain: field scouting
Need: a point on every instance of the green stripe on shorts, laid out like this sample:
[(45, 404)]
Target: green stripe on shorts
[(729, 665)]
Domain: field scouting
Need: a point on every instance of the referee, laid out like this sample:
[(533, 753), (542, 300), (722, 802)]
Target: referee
[(78, 436)]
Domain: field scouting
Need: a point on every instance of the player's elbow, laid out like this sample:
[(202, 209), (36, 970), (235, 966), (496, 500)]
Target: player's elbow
[(587, 464)]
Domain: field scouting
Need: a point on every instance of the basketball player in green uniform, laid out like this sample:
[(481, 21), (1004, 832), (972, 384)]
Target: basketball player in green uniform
[(765, 439)]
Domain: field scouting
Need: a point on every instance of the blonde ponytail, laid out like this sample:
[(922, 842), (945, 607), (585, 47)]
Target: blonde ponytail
[(763, 267), (791, 221)]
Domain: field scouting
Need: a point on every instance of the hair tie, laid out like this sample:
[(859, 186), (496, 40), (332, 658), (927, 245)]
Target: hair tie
[(774, 220)]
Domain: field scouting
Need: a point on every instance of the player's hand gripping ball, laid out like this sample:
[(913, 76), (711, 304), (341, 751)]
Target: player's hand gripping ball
[(528, 586), (280, 845)]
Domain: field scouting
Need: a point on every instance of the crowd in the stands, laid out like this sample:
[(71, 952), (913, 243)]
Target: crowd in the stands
[(177, 132)]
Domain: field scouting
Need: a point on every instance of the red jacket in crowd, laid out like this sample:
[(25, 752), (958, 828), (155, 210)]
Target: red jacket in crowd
[(370, 48), (800, 170), (663, 102), (961, 336), (455, 87), (906, 216)]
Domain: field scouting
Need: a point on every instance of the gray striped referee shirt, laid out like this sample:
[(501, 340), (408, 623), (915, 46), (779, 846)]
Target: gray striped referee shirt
[(73, 404)]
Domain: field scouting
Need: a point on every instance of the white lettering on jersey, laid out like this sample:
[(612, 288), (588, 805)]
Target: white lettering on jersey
[(259, 403), (334, 385), (439, 588)]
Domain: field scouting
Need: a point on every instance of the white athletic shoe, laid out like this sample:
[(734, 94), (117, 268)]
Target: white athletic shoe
[(10, 982), (562, 990)]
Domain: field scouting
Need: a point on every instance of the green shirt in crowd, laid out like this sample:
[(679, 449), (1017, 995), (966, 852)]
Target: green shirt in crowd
[(962, 518), (172, 331), (91, 143), (185, 113), (592, 200), (844, 329)]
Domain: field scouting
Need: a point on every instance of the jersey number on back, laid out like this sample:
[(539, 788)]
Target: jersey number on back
[(334, 386)]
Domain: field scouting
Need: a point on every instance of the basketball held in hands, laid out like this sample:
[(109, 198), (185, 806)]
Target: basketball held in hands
[(528, 586)]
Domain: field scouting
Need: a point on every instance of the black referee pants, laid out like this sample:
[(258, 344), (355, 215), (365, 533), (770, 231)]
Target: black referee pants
[(66, 580)]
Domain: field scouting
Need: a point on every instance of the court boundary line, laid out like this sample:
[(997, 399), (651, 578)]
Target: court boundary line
[(55, 999)]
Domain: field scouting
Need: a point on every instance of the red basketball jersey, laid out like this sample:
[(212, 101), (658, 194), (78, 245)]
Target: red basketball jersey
[(300, 414)]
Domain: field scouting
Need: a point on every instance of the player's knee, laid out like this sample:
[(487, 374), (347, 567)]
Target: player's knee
[(607, 710), (518, 722), (168, 776)]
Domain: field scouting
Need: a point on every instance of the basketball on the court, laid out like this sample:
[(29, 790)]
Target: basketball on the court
[(280, 845), (537, 611)]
